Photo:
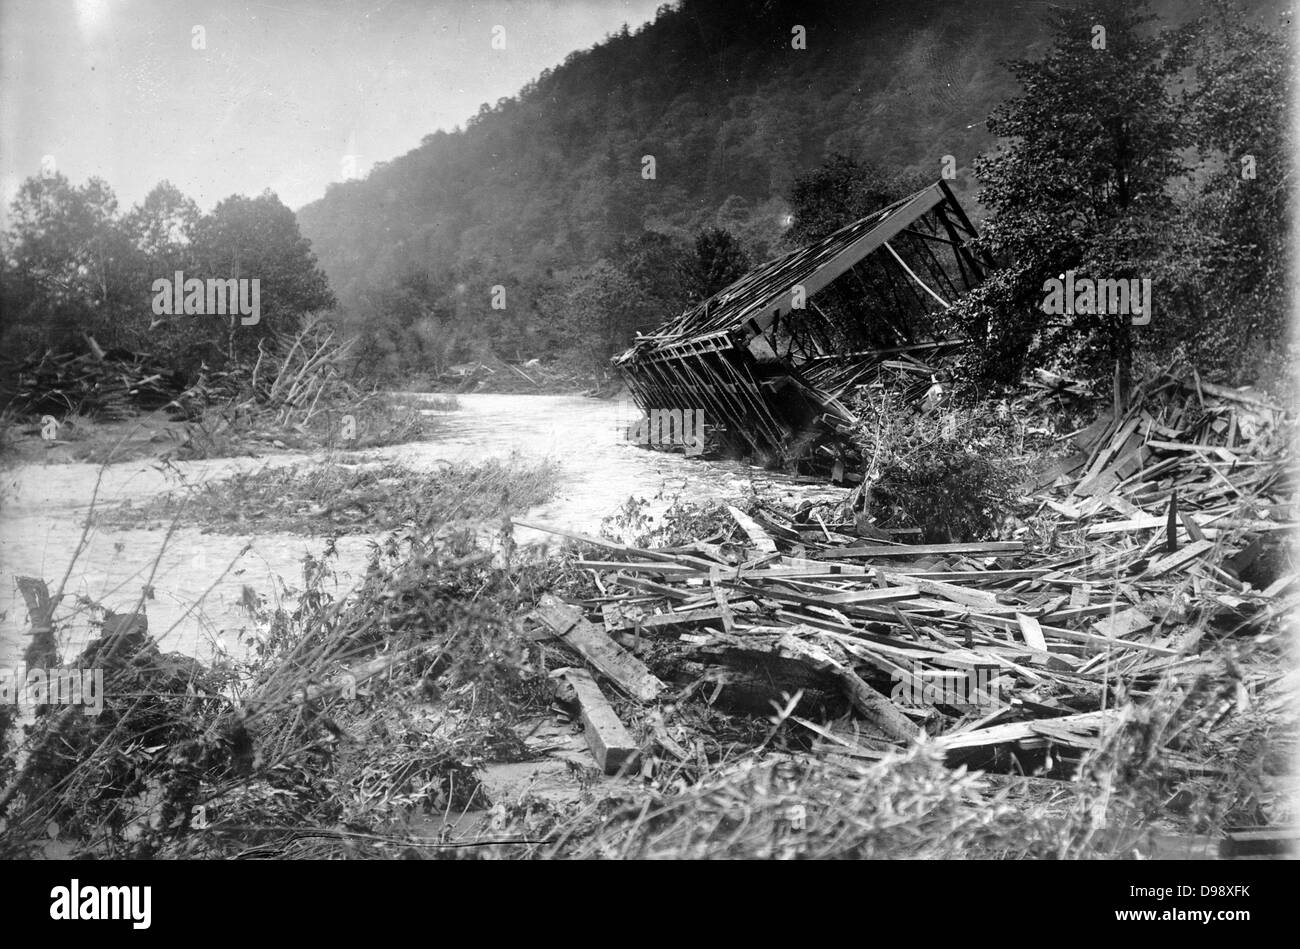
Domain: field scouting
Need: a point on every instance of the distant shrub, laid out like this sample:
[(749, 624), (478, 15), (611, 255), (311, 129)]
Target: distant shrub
[(947, 490), (950, 472)]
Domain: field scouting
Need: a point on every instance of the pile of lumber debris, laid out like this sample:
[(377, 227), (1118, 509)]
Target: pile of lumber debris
[(1167, 538), (107, 386)]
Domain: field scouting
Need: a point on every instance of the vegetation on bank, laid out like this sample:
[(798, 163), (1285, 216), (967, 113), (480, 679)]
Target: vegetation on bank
[(363, 726), (338, 497), (179, 740), (298, 394)]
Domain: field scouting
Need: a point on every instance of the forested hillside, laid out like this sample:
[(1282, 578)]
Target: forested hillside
[(541, 229), (731, 111)]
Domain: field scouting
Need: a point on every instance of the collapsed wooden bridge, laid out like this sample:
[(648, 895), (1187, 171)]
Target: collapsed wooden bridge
[(768, 364)]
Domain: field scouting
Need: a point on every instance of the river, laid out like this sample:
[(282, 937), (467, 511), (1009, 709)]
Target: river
[(198, 579)]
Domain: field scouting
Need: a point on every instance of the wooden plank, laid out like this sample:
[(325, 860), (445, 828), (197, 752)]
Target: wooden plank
[(650, 586), (1171, 528), (1122, 623), (1261, 842), (720, 597), (867, 701), (1193, 530), (1101, 643), (1096, 609), (1221, 452), (1032, 632), (773, 526), (919, 550), (1093, 480), (610, 742), (1146, 522), (819, 598), (758, 538), (799, 567), (592, 644), (977, 599), (972, 576), (1018, 731), (1172, 562), (684, 619), (659, 567), (42, 652)]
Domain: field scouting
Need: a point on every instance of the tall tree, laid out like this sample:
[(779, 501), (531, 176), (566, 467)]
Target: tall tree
[(258, 238), (840, 191), (1244, 78), (70, 266), (1080, 183), (719, 261)]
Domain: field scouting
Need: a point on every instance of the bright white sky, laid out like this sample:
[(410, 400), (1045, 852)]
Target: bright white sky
[(283, 91)]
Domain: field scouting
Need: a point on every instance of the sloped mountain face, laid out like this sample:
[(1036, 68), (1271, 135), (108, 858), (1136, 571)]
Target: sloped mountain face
[(718, 93)]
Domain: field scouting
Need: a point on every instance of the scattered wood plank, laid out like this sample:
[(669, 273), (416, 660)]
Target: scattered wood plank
[(610, 743), (1180, 559), (867, 701), (1032, 632), (758, 538), (1082, 725), (42, 652), (921, 550), (626, 671), (1260, 842)]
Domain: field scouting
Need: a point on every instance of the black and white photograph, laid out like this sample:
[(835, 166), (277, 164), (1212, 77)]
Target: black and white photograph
[(628, 430)]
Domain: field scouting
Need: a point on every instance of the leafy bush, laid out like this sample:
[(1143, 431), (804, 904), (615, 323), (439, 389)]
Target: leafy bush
[(946, 489), (952, 475)]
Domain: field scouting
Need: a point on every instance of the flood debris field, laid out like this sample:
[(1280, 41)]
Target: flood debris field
[(1106, 673)]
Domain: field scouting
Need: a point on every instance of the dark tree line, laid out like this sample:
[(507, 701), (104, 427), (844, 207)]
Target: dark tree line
[(1163, 154), (76, 268)]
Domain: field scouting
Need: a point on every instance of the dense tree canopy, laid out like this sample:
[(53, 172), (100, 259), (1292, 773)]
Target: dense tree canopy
[(1114, 166), (549, 182), (76, 268)]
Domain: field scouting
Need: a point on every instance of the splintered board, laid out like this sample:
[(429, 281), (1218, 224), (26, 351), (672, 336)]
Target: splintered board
[(610, 742), (621, 667)]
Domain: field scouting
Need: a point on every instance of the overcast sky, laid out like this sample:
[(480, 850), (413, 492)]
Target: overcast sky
[(282, 91)]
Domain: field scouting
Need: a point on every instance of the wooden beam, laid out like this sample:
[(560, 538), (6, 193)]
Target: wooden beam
[(920, 550), (1032, 632), (610, 743), (758, 538), (621, 667)]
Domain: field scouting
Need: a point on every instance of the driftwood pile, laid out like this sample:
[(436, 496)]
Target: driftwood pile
[(108, 387), (1167, 529)]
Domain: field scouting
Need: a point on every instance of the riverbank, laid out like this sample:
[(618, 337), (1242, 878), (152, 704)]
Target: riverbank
[(424, 709), (374, 422), (430, 713)]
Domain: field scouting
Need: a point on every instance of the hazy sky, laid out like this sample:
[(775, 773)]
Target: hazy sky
[(281, 93)]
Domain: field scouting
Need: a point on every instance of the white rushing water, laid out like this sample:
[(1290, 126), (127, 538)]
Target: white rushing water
[(199, 578)]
